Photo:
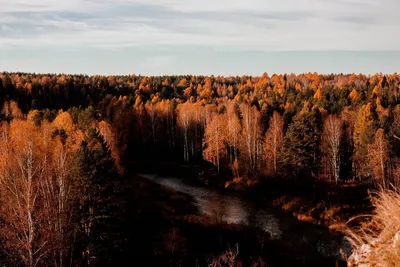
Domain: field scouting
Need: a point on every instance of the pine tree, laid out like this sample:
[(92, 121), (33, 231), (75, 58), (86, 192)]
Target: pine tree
[(301, 150), (98, 175)]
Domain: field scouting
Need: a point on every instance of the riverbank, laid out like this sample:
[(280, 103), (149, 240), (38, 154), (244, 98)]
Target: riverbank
[(322, 203), (166, 229)]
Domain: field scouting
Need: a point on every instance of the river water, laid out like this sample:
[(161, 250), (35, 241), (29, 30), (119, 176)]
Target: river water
[(231, 208)]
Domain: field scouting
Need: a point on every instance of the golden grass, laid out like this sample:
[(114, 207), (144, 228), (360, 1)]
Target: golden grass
[(381, 234)]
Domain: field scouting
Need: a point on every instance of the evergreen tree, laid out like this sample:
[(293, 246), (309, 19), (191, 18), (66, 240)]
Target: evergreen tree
[(97, 188), (301, 150)]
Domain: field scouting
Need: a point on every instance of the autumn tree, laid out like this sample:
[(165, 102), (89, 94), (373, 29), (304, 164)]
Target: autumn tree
[(23, 165), (273, 142), (354, 95), (184, 124), (59, 190), (331, 138), (47, 192), (215, 140), (152, 111), (106, 130), (394, 131), (378, 157), (364, 130), (191, 121), (11, 111), (251, 141), (234, 129)]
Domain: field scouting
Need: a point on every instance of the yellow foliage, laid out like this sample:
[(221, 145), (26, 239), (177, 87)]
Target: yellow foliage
[(63, 121), (318, 94), (288, 105), (354, 95), (31, 114), (12, 111), (106, 131)]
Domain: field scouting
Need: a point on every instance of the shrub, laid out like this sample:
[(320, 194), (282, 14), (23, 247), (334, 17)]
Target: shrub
[(377, 241)]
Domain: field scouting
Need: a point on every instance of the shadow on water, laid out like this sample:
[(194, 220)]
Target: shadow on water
[(281, 227)]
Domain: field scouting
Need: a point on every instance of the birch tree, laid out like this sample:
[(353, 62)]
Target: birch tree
[(234, 130), (152, 112), (22, 170), (58, 191), (183, 124), (251, 136), (214, 140), (273, 142), (331, 136)]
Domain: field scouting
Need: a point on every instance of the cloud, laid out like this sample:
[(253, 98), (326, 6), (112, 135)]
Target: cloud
[(243, 25), (5, 28)]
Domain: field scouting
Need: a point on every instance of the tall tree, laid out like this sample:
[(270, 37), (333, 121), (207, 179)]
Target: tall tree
[(301, 149), (394, 131), (378, 157), (23, 167), (108, 134), (59, 192), (183, 122), (251, 141), (331, 137), (98, 175), (152, 111), (234, 129), (215, 140), (273, 142), (11, 111), (364, 130)]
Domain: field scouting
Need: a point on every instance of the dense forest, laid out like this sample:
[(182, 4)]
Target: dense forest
[(68, 141)]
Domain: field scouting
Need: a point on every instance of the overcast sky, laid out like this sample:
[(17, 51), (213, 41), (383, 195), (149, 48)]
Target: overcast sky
[(226, 37)]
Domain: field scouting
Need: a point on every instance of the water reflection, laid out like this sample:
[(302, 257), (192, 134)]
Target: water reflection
[(232, 209), (223, 207)]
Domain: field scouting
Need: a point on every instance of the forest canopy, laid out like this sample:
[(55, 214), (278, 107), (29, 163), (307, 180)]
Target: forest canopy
[(307, 125)]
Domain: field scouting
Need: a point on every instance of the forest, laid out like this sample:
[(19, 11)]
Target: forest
[(69, 143)]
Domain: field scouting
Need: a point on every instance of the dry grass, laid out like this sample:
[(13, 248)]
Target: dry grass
[(379, 237)]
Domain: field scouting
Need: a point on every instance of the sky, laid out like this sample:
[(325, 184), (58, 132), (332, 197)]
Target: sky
[(220, 37)]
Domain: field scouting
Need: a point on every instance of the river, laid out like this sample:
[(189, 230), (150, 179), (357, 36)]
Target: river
[(234, 209)]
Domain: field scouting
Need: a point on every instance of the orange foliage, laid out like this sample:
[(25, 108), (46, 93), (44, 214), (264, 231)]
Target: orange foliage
[(63, 121), (354, 95), (318, 94), (107, 132)]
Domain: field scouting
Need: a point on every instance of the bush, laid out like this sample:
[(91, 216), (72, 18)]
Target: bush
[(377, 241)]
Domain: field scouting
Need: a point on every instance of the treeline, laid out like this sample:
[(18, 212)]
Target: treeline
[(59, 185), (40, 91), (307, 126)]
